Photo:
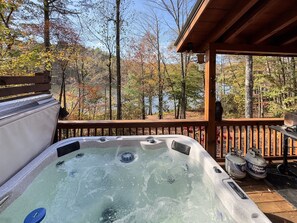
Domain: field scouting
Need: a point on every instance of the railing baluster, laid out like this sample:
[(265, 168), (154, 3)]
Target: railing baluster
[(202, 136), (233, 137), (239, 137), (221, 141), (257, 137), (290, 147), (269, 143), (274, 143), (280, 144), (252, 136), (263, 139), (245, 139), (227, 139)]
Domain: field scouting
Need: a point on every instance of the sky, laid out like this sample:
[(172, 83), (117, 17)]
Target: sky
[(142, 9)]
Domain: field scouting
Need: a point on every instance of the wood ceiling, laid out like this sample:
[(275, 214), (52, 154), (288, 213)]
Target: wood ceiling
[(246, 26)]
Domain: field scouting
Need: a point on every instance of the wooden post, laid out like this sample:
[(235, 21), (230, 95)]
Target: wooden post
[(210, 98)]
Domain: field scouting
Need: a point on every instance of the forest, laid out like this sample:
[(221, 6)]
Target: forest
[(116, 59)]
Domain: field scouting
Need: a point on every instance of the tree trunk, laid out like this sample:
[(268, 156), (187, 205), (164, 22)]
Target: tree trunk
[(293, 71), (46, 30), (150, 99), (142, 90), (178, 109), (105, 103), (64, 91), (61, 90), (249, 87), (259, 102), (183, 101), (83, 91), (118, 56), (110, 85), (160, 94), (79, 91)]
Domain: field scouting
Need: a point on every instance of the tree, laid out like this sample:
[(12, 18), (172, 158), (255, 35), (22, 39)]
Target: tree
[(249, 87), (178, 11), (20, 53), (107, 11), (55, 18), (152, 32), (100, 24), (118, 23)]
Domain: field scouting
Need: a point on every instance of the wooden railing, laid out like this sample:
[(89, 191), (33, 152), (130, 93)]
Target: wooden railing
[(12, 87), (194, 129), (231, 133), (247, 133)]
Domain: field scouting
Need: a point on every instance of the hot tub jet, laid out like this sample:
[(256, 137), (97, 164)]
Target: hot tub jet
[(127, 157), (109, 215)]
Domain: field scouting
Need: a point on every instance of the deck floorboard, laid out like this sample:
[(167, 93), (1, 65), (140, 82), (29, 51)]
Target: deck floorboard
[(276, 208)]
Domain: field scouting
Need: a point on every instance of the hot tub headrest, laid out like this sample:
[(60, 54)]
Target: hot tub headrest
[(180, 147), (63, 150)]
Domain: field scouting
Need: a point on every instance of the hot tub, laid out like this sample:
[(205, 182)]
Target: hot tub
[(167, 178)]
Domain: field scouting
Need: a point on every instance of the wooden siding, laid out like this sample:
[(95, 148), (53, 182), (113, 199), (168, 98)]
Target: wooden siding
[(13, 87)]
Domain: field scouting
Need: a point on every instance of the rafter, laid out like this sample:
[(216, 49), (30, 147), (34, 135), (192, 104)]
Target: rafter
[(244, 21), (237, 12), (276, 27)]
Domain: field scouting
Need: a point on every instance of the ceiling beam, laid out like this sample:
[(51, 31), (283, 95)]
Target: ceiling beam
[(276, 27), (287, 38), (247, 49), (236, 13), (244, 21), (290, 41)]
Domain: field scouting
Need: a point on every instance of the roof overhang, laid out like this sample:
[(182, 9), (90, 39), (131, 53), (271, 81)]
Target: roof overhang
[(256, 27)]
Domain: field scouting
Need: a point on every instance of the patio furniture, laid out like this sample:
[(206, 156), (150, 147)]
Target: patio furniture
[(286, 168)]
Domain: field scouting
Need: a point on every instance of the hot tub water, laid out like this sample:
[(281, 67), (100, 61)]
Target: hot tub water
[(94, 185)]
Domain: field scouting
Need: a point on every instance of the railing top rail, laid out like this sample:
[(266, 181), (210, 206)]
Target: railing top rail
[(14, 87), (39, 78), (251, 121), (129, 123)]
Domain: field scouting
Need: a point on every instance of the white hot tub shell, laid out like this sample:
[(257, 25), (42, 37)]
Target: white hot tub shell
[(239, 206)]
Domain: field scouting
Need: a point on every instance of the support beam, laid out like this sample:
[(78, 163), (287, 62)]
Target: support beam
[(247, 49), (209, 100)]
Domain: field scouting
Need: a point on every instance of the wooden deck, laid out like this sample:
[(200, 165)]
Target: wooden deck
[(276, 208)]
